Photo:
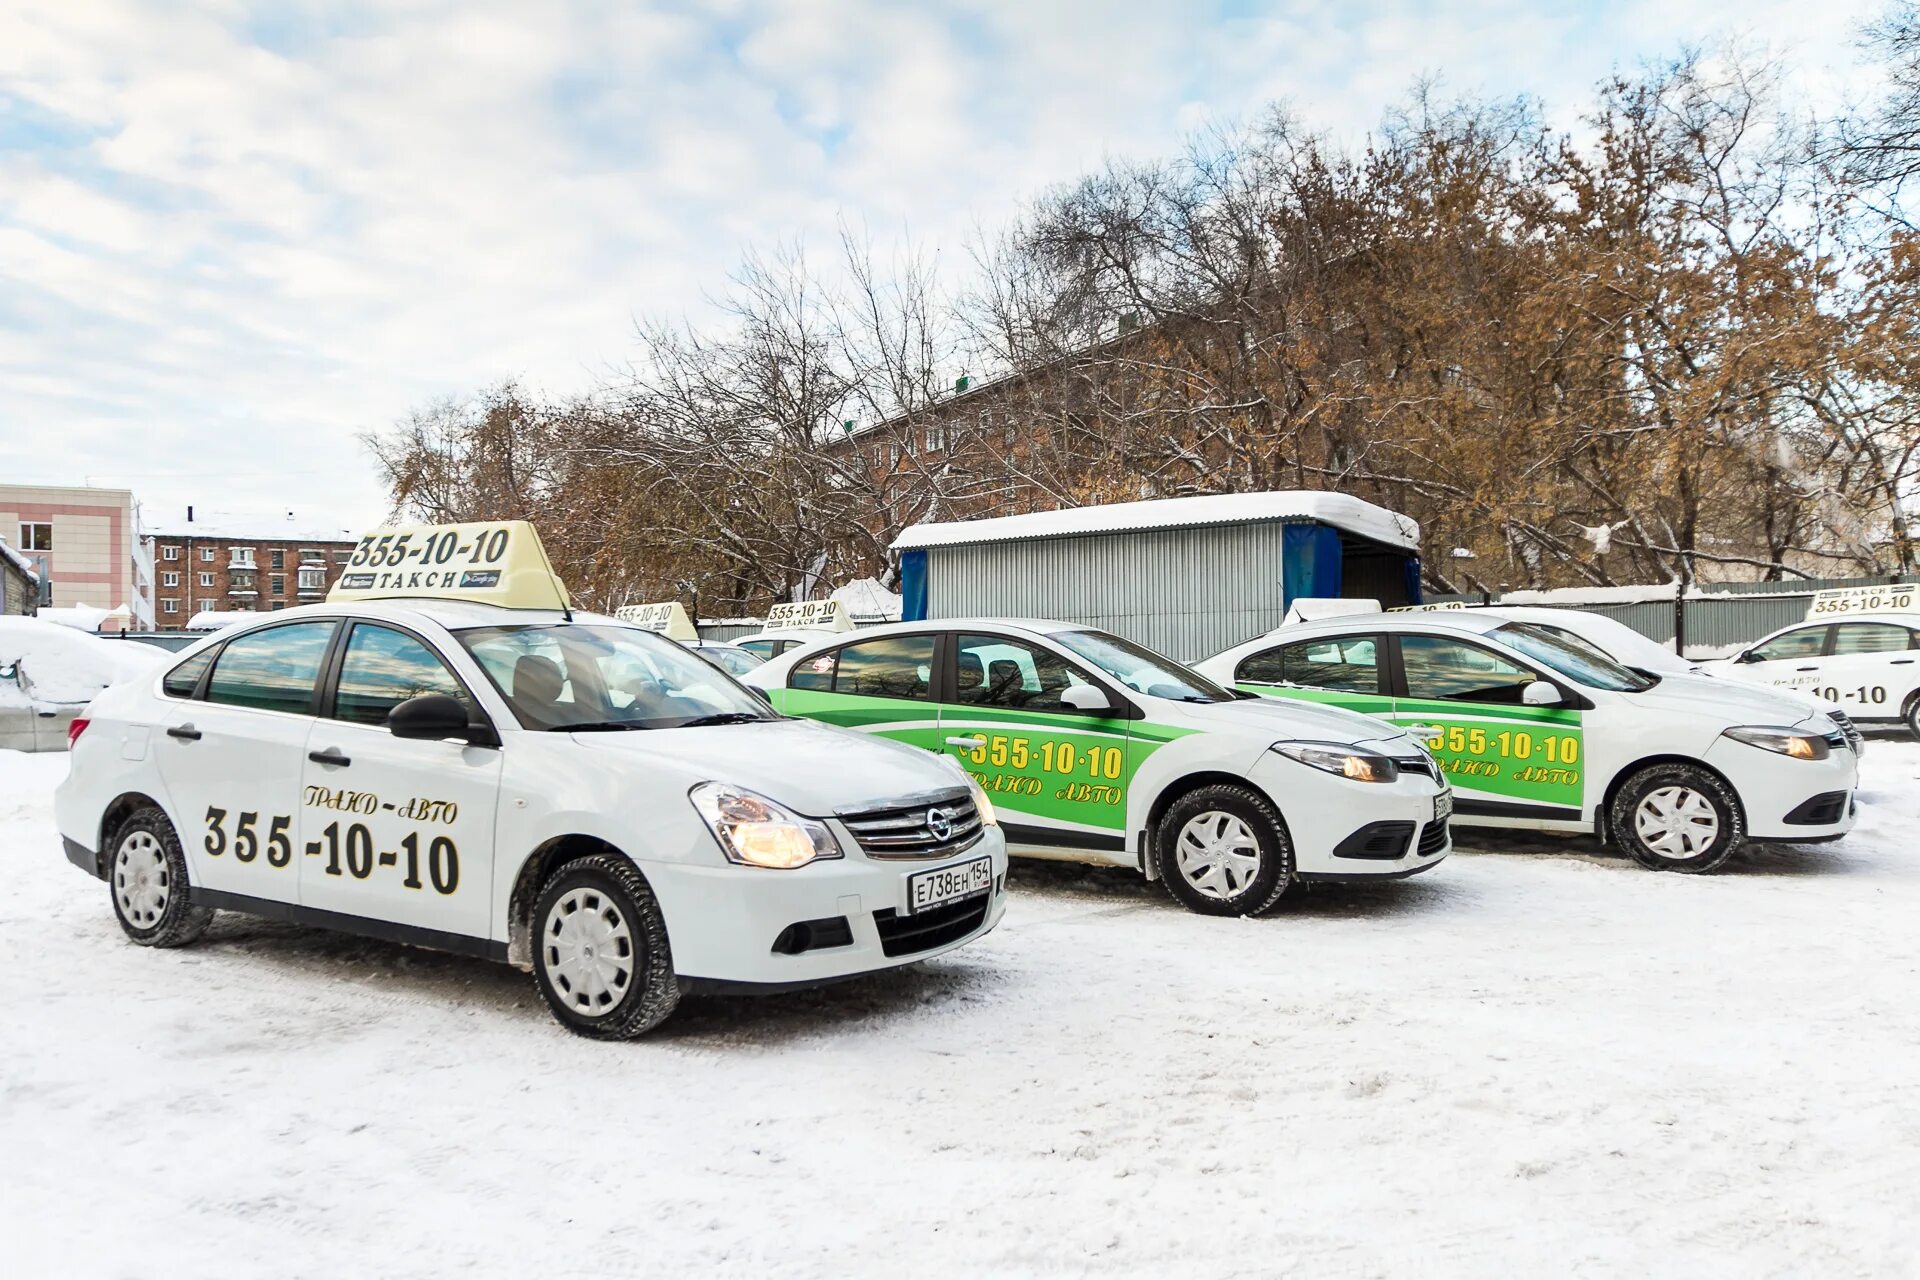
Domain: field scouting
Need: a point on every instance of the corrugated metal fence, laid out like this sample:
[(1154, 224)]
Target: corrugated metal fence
[(1715, 619)]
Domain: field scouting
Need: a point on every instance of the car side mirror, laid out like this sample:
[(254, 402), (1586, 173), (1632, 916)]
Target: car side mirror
[(1745, 655), (433, 716), (1086, 697), (1540, 694)]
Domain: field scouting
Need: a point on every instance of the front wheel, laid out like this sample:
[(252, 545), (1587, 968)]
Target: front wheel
[(147, 879), (1913, 716), (1224, 851), (600, 956), (1677, 817)]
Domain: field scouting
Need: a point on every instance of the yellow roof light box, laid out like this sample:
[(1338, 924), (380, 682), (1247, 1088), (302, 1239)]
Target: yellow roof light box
[(488, 562), (668, 619), (810, 615)]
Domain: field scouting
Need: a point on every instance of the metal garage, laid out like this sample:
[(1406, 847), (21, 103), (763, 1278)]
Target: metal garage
[(1185, 576)]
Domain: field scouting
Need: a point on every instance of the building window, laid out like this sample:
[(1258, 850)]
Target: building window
[(312, 555), (278, 581), (341, 557), (169, 579), (206, 555), (242, 558), (169, 553), (278, 604), (278, 557), (36, 536), (313, 579), (169, 606), (206, 579), (936, 436)]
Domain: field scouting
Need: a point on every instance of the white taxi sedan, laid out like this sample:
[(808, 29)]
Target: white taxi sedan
[(1868, 663), (559, 791), (1539, 733)]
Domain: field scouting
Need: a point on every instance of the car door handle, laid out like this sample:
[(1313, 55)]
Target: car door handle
[(184, 732), (971, 744), (1806, 668), (1899, 662), (330, 756)]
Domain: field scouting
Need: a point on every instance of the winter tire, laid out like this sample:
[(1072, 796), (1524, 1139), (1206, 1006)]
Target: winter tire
[(1913, 716), (600, 954), (147, 881), (1677, 817), (1224, 851)]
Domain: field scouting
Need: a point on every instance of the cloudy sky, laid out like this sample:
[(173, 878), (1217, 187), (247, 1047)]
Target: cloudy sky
[(234, 236)]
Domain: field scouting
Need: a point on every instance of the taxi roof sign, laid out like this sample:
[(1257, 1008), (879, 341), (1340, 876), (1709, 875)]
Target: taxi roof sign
[(497, 562), (813, 615), (1900, 598), (668, 618)]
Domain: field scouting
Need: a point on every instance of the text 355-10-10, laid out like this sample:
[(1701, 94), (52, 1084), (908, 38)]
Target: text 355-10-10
[(348, 849)]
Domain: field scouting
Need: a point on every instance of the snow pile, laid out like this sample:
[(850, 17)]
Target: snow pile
[(866, 600), (1336, 510), (57, 664), (19, 561)]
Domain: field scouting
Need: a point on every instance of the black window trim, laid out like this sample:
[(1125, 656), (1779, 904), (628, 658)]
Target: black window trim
[(326, 660), (1383, 664), (938, 677), (1125, 707), (1571, 699), (328, 686)]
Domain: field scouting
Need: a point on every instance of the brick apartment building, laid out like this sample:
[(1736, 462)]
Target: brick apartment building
[(225, 564)]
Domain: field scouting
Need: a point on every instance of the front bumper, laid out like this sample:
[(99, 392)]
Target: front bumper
[(1339, 827), (734, 927), (1780, 795)]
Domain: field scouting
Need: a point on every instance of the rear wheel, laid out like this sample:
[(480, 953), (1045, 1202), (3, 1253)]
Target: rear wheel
[(147, 879), (1224, 851), (1677, 817), (600, 954), (1913, 716)]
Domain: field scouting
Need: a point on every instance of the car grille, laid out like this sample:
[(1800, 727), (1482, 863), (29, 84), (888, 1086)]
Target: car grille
[(909, 829), (907, 935), (1848, 729), (1433, 838), (1421, 765)]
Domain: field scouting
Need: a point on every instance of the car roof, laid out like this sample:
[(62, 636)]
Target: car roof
[(1033, 626), (1471, 622), (1904, 617), (455, 615)]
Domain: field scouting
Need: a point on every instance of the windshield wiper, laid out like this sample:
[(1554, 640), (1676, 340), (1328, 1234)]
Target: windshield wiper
[(723, 717), (598, 726)]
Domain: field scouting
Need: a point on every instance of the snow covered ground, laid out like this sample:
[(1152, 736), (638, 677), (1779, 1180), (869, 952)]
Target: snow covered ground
[(1523, 1063)]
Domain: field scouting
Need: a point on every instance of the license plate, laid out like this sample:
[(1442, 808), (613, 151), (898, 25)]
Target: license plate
[(1443, 806), (942, 885)]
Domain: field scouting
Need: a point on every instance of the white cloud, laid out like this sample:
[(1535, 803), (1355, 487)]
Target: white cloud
[(231, 239)]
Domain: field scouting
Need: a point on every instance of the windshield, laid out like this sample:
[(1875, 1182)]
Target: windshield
[(575, 676), (1575, 659), (733, 661), (1140, 669)]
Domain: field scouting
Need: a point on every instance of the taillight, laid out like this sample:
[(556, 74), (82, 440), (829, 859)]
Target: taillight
[(76, 727)]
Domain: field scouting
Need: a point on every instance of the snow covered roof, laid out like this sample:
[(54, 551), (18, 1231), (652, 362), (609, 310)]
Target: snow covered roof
[(1336, 510), (213, 619), (866, 598), (251, 527), (18, 561)]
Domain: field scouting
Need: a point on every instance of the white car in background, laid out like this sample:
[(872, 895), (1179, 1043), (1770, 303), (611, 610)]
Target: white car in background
[(1538, 732), (49, 672), (1868, 663), (669, 618), (791, 625)]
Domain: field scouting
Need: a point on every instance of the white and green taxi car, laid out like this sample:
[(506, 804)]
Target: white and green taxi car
[(444, 753), (1538, 732), (1097, 750)]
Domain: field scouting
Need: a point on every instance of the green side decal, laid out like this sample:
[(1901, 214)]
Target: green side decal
[(904, 720), (1529, 753)]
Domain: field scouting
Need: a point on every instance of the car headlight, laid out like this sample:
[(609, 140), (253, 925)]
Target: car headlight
[(988, 818), (758, 832), (1361, 766), (1787, 742)]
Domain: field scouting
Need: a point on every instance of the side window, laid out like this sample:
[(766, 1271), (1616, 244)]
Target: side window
[(382, 668), (272, 670), (994, 671), (1350, 664), (1447, 670), (814, 673), (1870, 637), (889, 667), (762, 647), (1808, 642), (185, 678)]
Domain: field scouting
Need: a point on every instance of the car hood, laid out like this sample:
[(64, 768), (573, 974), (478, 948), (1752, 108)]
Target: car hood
[(811, 768), (1278, 719), (1734, 701)]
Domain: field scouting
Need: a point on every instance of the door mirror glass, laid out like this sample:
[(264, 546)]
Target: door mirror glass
[(1540, 694), (429, 716), (1086, 697)]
